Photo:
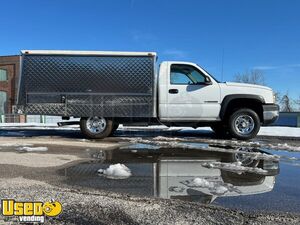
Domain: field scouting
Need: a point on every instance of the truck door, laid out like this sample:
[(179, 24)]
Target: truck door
[(192, 94)]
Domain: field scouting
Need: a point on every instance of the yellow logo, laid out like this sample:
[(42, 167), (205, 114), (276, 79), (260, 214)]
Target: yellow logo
[(30, 211), (52, 208)]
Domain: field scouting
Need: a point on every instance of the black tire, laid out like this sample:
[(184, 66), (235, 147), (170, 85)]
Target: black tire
[(95, 135), (220, 130), (244, 113), (115, 127)]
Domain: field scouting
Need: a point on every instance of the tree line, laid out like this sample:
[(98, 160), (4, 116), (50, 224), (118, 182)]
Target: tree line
[(284, 100)]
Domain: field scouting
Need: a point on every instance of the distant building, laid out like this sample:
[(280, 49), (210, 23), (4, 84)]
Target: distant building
[(9, 74)]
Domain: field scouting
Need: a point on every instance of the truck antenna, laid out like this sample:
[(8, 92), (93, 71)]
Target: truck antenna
[(222, 67)]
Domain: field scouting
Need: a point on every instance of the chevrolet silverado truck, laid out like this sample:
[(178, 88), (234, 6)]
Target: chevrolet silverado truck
[(105, 89)]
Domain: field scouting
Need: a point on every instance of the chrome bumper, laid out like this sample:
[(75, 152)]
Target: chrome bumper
[(270, 113)]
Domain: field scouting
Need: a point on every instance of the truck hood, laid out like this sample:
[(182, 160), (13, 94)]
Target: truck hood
[(247, 85)]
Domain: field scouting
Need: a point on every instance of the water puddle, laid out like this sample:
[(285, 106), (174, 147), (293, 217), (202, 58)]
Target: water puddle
[(200, 172)]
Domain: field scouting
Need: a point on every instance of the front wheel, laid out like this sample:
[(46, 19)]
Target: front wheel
[(220, 130), (96, 127), (244, 124)]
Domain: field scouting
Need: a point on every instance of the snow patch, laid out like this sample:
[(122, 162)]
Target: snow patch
[(286, 147), (235, 167), (116, 171), (280, 131), (32, 149)]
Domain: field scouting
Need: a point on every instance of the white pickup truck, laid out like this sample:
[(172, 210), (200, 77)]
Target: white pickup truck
[(105, 89)]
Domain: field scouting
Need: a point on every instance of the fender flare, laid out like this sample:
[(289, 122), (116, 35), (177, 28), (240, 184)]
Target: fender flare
[(229, 98)]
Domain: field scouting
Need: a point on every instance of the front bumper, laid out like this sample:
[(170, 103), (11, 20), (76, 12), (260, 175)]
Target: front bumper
[(270, 113)]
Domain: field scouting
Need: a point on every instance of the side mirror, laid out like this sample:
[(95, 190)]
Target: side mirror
[(207, 80)]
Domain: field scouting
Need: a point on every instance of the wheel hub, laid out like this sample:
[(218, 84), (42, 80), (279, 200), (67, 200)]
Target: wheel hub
[(244, 124), (96, 124)]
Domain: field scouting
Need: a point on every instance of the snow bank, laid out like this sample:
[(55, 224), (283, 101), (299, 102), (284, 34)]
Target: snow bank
[(280, 131), (116, 171)]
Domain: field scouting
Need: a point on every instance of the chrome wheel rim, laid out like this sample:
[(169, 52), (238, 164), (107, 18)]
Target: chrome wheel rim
[(96, 125), (244, 124)]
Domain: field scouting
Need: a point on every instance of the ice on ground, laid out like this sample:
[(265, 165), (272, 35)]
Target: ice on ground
[(211, 144), (235, 167), (266, 131), (32, 149), (116, 171), (285, 146)]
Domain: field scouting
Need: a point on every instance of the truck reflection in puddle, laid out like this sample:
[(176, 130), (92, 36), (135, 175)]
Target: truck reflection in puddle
[(176, 173)]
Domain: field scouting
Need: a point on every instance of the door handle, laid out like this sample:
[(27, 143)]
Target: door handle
[(173, 91)]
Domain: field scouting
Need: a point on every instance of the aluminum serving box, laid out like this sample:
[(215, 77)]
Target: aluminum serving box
[(87, 83)]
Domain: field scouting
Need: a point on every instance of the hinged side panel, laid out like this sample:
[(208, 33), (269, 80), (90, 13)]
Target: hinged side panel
[(76, 85)]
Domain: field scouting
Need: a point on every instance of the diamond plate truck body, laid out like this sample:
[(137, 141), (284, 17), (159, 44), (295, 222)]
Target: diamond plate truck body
[(87, 84)]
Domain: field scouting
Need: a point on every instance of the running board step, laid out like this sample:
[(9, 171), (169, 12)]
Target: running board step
[(61, 124)]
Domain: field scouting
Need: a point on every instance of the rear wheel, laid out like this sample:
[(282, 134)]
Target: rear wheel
[(115, 127), (244, 124), (96, 127)]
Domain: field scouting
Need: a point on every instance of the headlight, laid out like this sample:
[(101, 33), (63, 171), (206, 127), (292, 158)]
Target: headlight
[(274, 97)]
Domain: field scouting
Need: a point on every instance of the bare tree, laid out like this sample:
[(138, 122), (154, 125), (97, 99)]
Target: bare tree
[(278, 97), (297, 102), (251, 77), (286, 103)]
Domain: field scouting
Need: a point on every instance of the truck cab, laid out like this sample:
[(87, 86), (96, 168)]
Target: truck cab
[(187, 94)]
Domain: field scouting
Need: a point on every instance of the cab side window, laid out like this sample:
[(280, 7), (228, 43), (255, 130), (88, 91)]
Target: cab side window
[(185, 74)]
